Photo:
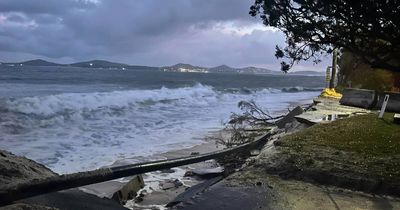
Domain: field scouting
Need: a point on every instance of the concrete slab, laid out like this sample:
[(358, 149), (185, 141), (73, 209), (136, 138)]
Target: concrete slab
[(116, 190), (208, 172), (327, 110), (289, 117)]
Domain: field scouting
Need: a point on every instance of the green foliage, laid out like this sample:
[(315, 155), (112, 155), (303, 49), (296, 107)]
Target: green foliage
[(370, 29), (360, 75)]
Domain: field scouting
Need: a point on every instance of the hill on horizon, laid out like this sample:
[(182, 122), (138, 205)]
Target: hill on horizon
[(98, 64), (35, 62), (179, 67)]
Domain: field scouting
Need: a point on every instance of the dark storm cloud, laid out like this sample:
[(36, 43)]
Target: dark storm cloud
[(55, 7), (149, 32), (136, 26)]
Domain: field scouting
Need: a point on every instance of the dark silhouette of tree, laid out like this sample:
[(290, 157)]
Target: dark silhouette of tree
[(370, 29)]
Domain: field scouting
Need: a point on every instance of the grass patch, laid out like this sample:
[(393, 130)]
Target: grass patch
[(365, 134), (374, 144)]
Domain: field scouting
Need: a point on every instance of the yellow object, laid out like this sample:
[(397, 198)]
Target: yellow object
[(331, 93)]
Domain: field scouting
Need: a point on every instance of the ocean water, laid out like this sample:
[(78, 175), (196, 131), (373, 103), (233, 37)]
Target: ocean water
[(75, 119)]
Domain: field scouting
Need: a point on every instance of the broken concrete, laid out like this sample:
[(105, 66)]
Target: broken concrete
[(193, 191), (116, 190), (289, 117), (326, 110), (170, 184), (205, 173), (255, 152)]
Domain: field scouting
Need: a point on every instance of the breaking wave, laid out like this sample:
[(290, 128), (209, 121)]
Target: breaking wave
[(85, 102), (70, 132), (299, 89)]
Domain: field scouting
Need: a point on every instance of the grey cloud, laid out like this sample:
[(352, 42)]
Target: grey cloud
[(44, 6), (147, 32)]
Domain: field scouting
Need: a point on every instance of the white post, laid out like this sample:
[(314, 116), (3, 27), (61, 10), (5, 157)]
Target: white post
[(385, 101)]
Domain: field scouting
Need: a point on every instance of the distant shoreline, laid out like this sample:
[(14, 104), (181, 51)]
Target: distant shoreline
[(180, 67)]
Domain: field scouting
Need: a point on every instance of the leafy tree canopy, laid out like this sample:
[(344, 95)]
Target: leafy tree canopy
[(369, 29)]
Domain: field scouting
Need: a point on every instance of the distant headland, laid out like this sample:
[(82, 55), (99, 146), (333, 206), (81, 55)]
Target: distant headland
[(180, 67)]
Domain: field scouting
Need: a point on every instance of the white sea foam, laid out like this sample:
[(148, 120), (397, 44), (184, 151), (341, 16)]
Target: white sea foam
[(71, 102), (72, 132)]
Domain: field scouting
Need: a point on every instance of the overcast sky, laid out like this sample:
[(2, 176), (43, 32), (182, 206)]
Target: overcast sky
[(143, 32)]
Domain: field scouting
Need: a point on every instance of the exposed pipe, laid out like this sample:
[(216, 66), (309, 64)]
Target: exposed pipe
[(67, 181)]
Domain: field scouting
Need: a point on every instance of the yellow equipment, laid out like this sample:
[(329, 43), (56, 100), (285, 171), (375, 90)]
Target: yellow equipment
[(331, 93)]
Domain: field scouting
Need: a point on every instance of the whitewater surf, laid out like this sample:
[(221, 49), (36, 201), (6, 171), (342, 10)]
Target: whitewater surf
[(87, 125)]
